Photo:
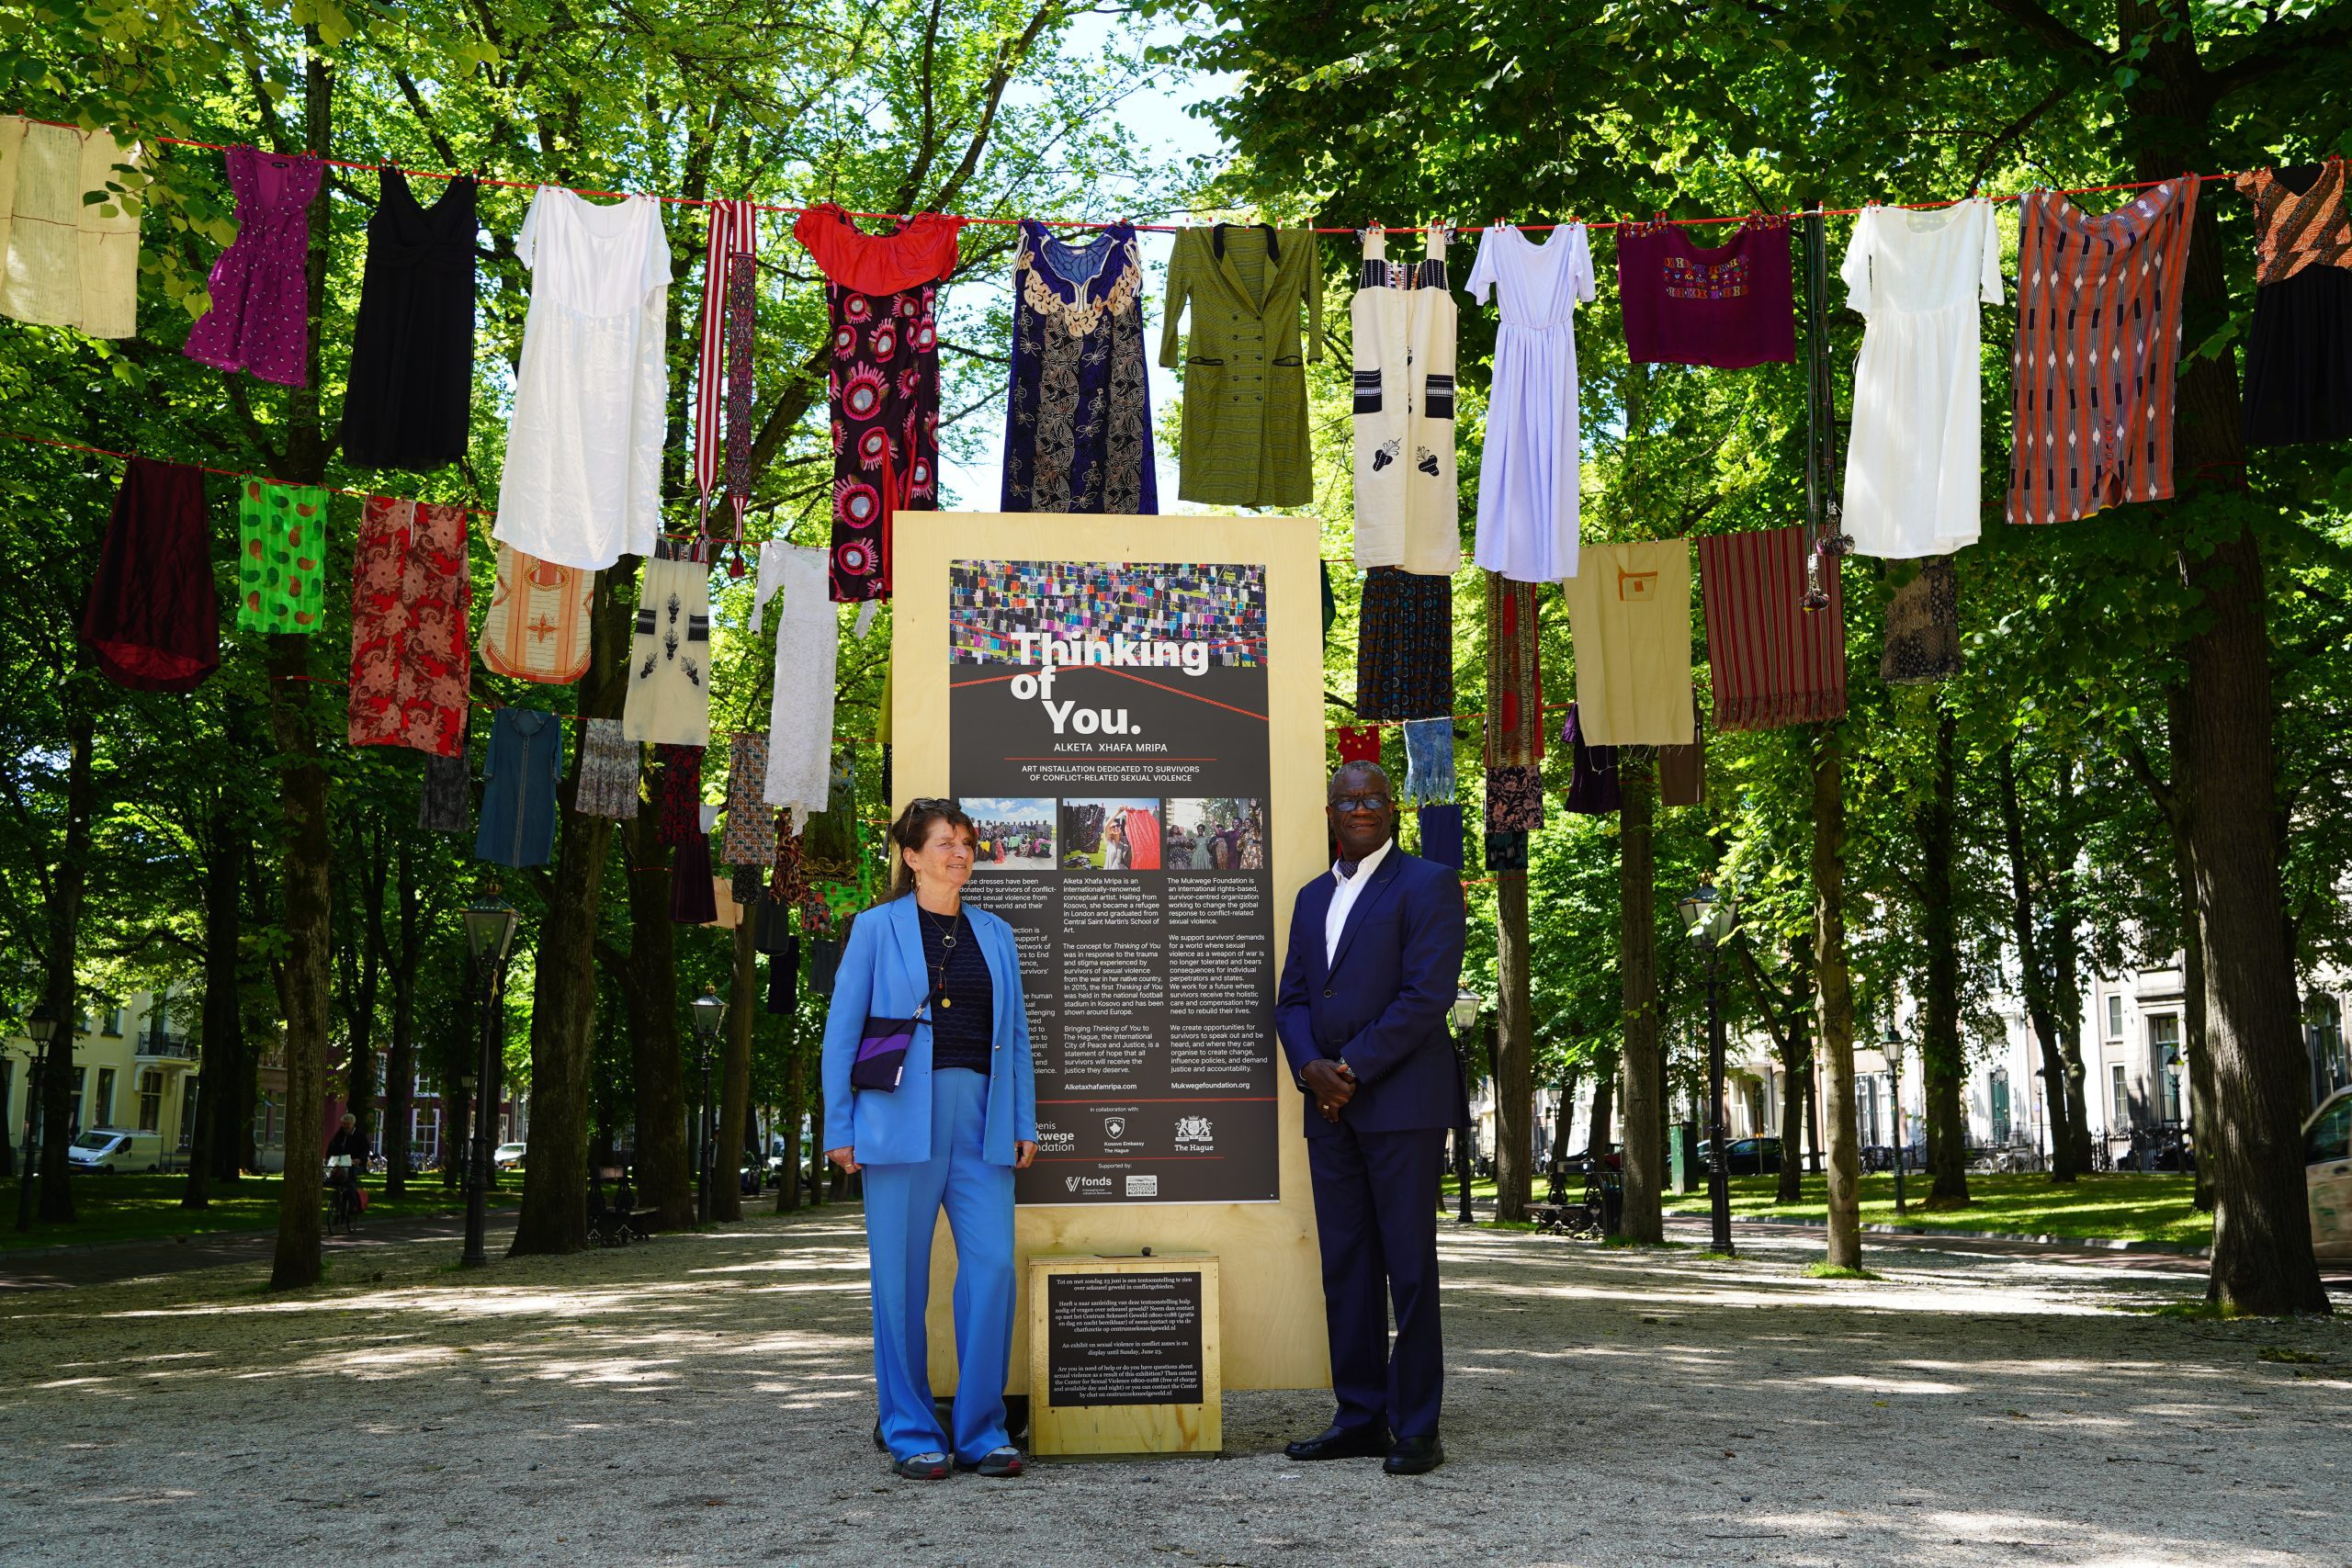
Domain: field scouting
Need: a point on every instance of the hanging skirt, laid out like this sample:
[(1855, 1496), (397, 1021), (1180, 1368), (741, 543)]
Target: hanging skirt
[(441, 804), (410, 667), (677, 794), (749, 841), (608, 769), (1405, 646), (2298, 359), (153, 621), (1429, 760), (693, 900)]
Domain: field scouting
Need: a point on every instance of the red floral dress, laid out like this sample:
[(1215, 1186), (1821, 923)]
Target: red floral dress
[(883, 293), (411, 663)]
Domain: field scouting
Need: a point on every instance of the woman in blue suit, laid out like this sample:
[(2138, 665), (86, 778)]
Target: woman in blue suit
[(961, 1121)]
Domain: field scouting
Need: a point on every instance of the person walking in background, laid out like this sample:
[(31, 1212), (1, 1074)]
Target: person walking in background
[(946, 1125), (1374, 962)]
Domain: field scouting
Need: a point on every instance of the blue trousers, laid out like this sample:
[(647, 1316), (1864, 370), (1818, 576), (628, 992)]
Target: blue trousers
[(903, 1204), (1376, 1218)]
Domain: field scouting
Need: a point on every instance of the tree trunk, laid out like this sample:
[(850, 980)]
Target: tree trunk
[(1945, 1064), (664, 1182), (787, 1187), (222, 1019), (1604, 1105), (1514, 1053), (1796, 1073), (2033, 968), (735, 1078), (554, 1217), (1637, 961), (68, 886), (1834, 1000), (400, 1069), (1563, 1115), (363, 979), (2262, 1258)]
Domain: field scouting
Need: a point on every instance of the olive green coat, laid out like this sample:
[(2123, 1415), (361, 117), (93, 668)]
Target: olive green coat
[(1244, 375)]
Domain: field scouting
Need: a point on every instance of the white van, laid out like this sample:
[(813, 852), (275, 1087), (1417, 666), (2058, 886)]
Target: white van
[(2327, 1175), (109, 1150)]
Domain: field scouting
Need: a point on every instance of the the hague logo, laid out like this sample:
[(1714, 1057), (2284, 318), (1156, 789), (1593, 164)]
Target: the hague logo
[(1196, 1130)]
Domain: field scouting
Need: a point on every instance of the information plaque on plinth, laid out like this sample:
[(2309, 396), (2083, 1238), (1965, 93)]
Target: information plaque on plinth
[(1124, 1355)]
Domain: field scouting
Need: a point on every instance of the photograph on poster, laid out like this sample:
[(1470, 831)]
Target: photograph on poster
[(1111, 834), (1016, 834), (1216, 834)]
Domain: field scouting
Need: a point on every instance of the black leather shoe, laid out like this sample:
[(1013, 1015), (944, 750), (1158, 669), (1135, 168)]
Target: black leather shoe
[(1414, 1456), (1342, 1443)]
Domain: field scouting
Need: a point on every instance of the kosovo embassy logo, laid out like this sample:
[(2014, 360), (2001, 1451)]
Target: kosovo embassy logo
[(1114, 1127), (1195, 1130)]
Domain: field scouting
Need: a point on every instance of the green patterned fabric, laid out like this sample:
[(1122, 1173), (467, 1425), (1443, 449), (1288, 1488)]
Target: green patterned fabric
[(1245, 371), (281, 558)]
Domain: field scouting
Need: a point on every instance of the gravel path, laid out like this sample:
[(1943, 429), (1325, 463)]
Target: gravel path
[(705, 1400)]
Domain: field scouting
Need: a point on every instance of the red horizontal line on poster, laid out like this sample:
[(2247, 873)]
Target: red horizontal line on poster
[(486, 179)]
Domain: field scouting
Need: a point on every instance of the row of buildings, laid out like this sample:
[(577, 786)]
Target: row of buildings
[(135, 1068), (2132, 1030)]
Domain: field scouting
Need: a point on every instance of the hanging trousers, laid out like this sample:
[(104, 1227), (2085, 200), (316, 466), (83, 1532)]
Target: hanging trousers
[(903, 1204)]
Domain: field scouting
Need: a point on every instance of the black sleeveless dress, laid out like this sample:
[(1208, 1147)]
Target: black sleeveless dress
[(2299, 350), (412, 349)]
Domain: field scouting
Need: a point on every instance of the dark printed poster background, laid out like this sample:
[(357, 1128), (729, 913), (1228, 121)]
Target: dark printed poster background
[(1107, 732)]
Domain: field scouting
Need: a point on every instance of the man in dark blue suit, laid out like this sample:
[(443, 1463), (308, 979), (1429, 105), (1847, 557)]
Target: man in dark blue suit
[(1374, 964)]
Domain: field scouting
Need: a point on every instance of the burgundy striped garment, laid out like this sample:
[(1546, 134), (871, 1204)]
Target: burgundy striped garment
[(733, 231), (2099, 335), (1774, 661)]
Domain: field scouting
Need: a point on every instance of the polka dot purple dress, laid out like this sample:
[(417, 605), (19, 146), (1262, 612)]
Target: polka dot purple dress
[(261, 295)]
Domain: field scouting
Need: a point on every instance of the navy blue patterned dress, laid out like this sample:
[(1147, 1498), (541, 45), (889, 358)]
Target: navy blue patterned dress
[(1077, 431)]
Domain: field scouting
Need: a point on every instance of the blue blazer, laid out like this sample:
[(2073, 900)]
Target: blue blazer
[(883, 974), (1381, 1004)]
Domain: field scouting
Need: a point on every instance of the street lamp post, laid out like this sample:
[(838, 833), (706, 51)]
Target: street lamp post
[(490, 939), (1466, 1004), (42, 1027), (710, 1013), (1892, 1046), (1708, 918)]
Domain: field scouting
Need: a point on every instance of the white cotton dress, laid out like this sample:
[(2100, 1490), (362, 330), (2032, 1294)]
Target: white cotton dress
[(800, 714), (1529, 475), (583, 482), (1913, 480)]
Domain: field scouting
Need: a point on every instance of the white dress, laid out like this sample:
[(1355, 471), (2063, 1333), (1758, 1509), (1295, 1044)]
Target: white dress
[(1528, 478), (1911, 471), (1408, 509), (583, 482), (800, 714), (62, 262)]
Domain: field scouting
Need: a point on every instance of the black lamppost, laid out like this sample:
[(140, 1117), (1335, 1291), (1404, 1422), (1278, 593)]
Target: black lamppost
[(709, 1013), (490, 939), (42, 1027), (1708, 918), (1893, 1047), (1466, 1004)]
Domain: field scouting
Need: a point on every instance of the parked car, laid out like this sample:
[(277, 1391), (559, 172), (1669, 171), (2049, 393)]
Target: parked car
[(506, 1157), (2327, 1175), (109, 1150), (1743, 1157)]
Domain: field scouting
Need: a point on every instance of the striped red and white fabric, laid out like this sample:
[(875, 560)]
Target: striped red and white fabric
[(2098, 338), (1774, 661), (733, 231)]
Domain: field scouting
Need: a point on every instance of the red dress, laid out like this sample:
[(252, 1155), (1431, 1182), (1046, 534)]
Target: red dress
[(410, 667), (883, 291), (153, 621)]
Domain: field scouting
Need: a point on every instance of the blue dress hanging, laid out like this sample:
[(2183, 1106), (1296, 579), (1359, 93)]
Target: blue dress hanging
[(519, 772)]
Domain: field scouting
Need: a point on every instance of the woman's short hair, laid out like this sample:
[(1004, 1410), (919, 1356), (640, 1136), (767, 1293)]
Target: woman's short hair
[(912, 830)]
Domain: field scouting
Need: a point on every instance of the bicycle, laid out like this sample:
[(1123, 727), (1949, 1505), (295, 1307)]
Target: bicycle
[(342, 1197)]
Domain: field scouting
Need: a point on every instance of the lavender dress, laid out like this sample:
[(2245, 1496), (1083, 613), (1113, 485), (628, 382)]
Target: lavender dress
[(261, 289), (1078, 435)]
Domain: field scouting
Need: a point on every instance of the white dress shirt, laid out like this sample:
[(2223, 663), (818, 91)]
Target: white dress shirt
[(1343, 898)]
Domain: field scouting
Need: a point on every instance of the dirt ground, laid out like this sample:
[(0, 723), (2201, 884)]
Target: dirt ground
[(706, 1399)]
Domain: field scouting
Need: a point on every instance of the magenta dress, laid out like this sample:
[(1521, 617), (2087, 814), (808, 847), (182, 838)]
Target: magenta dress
[(261, 295)]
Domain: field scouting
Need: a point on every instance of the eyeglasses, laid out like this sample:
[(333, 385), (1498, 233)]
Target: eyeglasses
[(1360, 803)]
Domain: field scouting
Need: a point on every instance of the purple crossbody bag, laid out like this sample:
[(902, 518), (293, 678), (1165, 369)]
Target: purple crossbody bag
[(882, 1051)]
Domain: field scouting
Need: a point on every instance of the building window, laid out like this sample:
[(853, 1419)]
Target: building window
[(79, 1076), (113, 1022), (2324, 1018), (102, 1107), (2115, 1017), (2119, 1104), (2163, 1063), (151, 1102), (188, 1113), (2001, 1105)]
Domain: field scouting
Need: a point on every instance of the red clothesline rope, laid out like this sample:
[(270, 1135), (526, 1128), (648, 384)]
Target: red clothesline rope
[(1150, 227)]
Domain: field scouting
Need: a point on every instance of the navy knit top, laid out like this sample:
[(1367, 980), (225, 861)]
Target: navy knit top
[(963, 1024)]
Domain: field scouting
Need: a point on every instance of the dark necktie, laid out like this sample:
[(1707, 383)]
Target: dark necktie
[(1347, 869)]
